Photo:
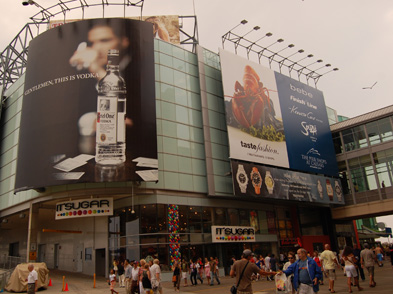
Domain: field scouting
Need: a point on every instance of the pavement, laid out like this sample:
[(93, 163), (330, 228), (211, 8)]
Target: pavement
[(82, 284)]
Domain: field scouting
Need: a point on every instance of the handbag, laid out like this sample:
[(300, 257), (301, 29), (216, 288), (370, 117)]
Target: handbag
[(233, 289), (174, 278)]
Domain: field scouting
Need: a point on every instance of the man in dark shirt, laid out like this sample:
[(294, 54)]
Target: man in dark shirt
[(356, 253)]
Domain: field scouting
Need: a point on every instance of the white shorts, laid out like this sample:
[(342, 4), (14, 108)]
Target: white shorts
[(350, 271), (184, 275)]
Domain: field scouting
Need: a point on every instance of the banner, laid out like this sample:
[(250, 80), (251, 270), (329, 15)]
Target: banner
[(165, 27), (275, 120), (250, 179), (224, 234), (78, 126), (84, 208)]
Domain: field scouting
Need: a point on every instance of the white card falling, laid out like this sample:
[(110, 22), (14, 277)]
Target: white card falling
[(69, 164), (148, 175), (68, 176), (146, 162), (83, 157)]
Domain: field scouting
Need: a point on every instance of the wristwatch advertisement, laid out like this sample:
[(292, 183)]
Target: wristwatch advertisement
[(256, 180), (339, 192), (250, 179), (269, 182), (320, 189), (242, 178)]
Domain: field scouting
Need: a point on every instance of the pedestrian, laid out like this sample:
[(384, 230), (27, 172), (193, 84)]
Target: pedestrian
[(379, 253), (142, 263), (120, 272), (306, 273), (135, 288), (217, 268), (359, 269), (231, 262), (200, 270), (155, 273), (207, 270), (213, 272), (329, 262), (127, 276), (243, 270), (318, 261), (267, 265), (115, 268), (112, 282), (176, 275), (146, 279), (367, 259), (350, 268), (193, 272), (291, 260), (184, 271), (31, 280)]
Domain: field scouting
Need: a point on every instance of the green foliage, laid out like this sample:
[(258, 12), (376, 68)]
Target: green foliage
[(268, 133)]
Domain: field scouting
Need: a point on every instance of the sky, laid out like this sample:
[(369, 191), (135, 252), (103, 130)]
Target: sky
[(355, 36)]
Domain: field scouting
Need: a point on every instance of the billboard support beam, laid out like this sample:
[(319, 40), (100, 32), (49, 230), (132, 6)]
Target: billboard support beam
[(274, 55)]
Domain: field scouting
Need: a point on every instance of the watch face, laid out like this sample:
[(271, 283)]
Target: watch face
[(256, 178), (269, 181), (242, 178)]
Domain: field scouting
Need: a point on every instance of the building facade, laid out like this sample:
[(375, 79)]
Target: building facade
[(172, 218)]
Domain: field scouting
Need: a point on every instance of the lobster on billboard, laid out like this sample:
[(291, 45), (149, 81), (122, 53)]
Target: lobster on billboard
[(275, 120), (88, 112)]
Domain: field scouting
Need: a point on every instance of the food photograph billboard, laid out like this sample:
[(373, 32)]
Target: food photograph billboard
[(88, 112), (275, 120)]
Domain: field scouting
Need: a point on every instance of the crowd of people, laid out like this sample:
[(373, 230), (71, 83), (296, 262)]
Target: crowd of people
[(305, 271)]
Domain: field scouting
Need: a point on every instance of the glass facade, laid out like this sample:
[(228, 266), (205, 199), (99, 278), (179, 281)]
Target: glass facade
[(143, 230), (365, 173)]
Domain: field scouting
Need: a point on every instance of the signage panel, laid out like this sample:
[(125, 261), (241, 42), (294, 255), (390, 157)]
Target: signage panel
[(84, 208), (261, 181), (64, 82), (275, 120), (224, 234), (165, 27)]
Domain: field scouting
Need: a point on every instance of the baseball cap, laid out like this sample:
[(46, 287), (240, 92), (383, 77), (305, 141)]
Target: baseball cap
[(247, 253)]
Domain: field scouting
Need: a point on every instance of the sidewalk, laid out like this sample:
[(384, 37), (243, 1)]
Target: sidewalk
[(81, 284)]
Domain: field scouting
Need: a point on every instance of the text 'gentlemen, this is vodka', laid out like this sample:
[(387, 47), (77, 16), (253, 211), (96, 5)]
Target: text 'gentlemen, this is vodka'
[(111, 111)]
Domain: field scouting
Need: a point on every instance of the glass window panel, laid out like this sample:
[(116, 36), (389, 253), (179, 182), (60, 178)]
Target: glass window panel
[(233, 214), (219, 217), (180, 79), (167, 92), (254, 220), (168, 111), (149, 220), (181, 96), (166, 75), (373, 133), (195, 219), (244, 217), (182, 114), (162, 216), (166, 60), (384, 166), (183, 219), (385, 128), (184, 148), (207, 213), (338, 148), (183, 131)]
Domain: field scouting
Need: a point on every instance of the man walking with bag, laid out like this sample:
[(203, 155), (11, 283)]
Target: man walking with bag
[(243, 270)]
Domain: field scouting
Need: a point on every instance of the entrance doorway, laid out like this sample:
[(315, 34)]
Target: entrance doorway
[(100, 262), (56, 256), (41, 253)]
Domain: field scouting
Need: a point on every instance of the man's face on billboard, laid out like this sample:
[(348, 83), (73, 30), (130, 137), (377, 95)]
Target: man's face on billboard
[(102, 39)]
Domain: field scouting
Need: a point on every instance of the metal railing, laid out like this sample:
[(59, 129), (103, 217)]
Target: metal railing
[(10, 262)]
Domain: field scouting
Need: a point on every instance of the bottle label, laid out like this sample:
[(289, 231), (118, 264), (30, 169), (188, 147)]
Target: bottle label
[(106, 120)]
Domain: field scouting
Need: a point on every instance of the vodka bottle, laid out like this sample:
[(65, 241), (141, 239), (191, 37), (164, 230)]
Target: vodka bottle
[(111, 111)]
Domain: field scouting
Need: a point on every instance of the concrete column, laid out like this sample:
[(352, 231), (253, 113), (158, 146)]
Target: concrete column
[(32, 231)]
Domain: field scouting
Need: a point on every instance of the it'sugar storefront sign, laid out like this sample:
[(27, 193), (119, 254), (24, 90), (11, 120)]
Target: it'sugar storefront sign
[(275, 120)]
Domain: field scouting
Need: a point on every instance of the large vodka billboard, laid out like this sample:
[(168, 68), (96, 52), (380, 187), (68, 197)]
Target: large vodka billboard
[(60, 113), (275, 120)]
